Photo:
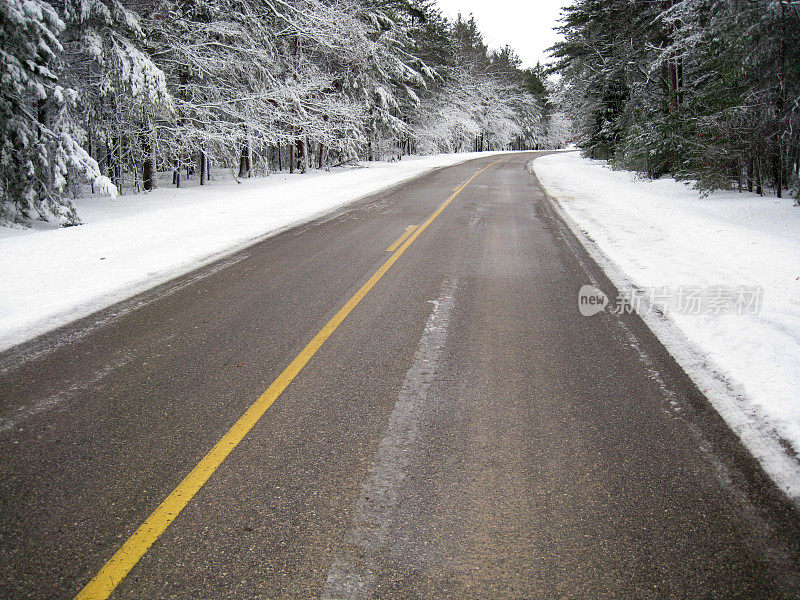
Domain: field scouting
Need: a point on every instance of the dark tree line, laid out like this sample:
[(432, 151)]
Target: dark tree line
[(707, 90)]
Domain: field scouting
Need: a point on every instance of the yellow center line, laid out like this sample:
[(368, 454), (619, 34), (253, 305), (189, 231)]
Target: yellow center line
[(402, 238), (119, 565)]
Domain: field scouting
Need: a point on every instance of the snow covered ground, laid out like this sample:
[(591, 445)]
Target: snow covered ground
[(53, 276), (664, 236)]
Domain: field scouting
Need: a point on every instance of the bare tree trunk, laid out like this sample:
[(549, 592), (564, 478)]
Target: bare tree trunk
[(176, 174), (135, 185), (249, 155), (759, 189), (109, 162), (291, 158), (118, 167), (120, 170), (89, 148), (154, 155), (148, 175), (148, 146), (306, 149), (244, 161), (202, 167)]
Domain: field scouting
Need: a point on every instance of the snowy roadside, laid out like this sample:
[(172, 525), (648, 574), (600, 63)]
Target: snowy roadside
[(51, 277), (665, 242)]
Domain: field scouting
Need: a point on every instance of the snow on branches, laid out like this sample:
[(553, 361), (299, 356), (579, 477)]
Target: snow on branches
[(38, 152), (102, 95)]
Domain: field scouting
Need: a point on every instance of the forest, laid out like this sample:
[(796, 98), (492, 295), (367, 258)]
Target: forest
[(100, 96), (702, 90)]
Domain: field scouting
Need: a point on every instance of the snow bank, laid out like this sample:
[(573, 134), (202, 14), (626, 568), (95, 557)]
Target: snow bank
[(51, 277), (656, 234)]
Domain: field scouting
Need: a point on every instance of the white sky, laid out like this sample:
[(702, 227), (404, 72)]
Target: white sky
[(526, 26)]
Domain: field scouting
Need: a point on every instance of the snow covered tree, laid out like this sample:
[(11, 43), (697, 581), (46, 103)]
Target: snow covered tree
[(40, 139), (483, 101), (114, 91), (701, 89), (740, 90), (121, 91), (219, 62)]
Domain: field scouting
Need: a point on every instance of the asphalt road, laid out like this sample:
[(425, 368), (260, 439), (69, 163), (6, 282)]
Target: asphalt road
[(463, 432)]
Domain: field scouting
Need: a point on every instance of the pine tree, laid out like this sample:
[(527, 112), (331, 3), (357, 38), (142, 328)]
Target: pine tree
[(39, 148), (701, 89), (121, 91)]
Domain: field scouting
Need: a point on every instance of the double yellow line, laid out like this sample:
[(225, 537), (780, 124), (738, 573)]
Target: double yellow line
[(119, 565)]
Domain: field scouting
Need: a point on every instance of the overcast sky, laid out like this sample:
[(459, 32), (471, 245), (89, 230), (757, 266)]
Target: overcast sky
[(526, 26)]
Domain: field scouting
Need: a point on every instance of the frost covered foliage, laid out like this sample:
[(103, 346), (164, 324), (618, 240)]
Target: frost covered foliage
[(468, 112), (40, 142), (120, 88), (700, 89), (560, 132), (102, 95), (484, 100)]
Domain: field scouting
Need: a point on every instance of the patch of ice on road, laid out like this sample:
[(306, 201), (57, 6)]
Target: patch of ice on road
[(352, 574)]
